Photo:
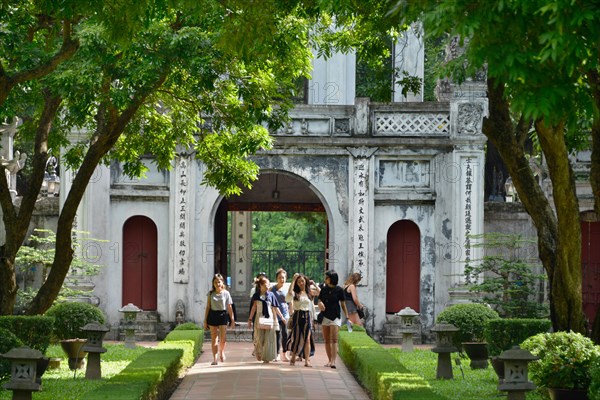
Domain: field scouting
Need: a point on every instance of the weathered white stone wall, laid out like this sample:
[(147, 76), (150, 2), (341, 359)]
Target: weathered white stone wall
[(333, 80), (385, 216), (409, 57)]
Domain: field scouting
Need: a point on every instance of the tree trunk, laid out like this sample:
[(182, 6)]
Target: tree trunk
[(559, 256), (111, 125), (566, 288), (16, 224)]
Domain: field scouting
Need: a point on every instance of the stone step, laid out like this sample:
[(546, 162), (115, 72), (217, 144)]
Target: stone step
[(242, 333), (146, 325)]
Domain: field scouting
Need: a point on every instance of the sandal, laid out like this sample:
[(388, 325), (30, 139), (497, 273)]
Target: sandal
[(308, 365), (333, 366), (222, 356), (214, 363)]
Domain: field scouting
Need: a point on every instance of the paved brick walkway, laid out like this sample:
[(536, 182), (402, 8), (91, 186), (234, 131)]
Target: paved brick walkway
[(242, 377)]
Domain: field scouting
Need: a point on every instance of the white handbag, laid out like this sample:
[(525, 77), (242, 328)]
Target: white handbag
[(266, 323)]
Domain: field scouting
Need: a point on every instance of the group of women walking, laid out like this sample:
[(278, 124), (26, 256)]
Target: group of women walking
[(284, 316)]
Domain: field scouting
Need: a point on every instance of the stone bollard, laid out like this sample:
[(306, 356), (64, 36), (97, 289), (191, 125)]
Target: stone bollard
[(407, 318), (516, 381), (130, 311), (93, 346), (443, 348), (24, 377)]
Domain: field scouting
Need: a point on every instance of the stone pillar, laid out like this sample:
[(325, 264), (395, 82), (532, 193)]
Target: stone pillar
[(361, 206), (333, 80), (182, 211), (409, 57), (241, 251)]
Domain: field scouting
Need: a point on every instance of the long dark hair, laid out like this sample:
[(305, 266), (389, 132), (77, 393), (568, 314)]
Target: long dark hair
[(306, 287), (212, 282)]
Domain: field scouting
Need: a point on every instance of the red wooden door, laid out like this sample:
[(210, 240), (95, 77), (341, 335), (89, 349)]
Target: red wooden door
[(590, 258), (403, 274), (140, 263)]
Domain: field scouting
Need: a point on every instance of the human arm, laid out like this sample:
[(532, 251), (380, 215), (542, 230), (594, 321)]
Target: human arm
[(231, 316), (277, 312), (290, 293), (252, 311), (206, 310), (343, 303), (315, 290)]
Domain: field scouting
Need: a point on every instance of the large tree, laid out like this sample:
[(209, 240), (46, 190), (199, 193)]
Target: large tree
[(542, 59), (153, 77), (144, 92)]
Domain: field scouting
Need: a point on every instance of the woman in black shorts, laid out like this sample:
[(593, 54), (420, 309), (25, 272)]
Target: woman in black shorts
[(351, 298), (218, 314)]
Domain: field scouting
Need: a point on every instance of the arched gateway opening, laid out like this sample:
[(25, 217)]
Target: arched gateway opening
[(274, 191)]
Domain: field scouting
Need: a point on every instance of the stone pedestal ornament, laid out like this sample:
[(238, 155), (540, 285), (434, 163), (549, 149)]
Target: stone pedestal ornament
[(23, 372), (443, 348), (516, 381), (95, 332), (407, 317), (130, 311)]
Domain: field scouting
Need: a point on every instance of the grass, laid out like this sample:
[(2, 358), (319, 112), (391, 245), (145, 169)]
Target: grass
[(65, 384), (476, 384)]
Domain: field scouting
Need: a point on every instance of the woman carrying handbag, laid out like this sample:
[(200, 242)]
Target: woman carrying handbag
[(264, 313), (353, 305)]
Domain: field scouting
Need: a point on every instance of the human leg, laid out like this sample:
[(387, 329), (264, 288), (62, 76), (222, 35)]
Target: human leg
[(284, 338), (333, 341), (307, 351), (222, 341), (355, 319), (278, 338), (214, 341), (326, 337)]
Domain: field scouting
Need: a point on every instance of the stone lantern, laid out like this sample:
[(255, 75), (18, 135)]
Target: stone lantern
[(515, 381), (407, 318), (443, 348), (95, 332), (130, 312), (23, 372)]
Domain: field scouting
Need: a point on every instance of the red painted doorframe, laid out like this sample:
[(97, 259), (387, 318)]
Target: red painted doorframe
[(140, 263), (403, 272), (590, 259)]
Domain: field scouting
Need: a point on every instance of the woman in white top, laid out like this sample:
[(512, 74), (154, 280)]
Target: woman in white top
[(218, 314), (302, 319)]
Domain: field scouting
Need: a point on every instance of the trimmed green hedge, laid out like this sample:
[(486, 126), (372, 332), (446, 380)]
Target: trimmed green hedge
[(33, 331), (502, 334), (154, 373), (196, 337), (378, 371)]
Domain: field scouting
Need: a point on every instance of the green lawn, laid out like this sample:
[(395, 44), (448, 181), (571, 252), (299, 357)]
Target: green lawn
[(65, 384), (476, 384)]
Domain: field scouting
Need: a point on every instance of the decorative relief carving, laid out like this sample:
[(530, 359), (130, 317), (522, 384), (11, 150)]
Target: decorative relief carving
[(342, 126), (470, 117), (404, 173)]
